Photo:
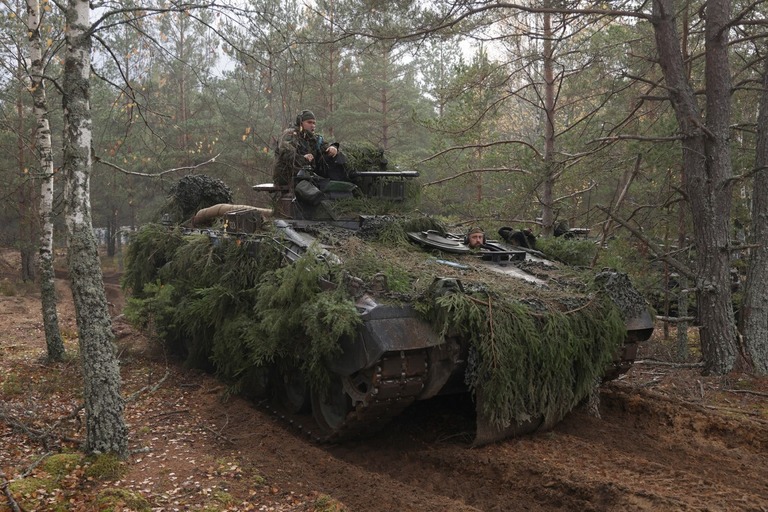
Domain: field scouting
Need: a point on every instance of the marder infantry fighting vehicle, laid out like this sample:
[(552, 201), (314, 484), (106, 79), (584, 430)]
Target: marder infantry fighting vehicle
[(355, 317)]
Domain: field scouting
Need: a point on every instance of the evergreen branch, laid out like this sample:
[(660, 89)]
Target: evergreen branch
[(448, 23), (491, 337)]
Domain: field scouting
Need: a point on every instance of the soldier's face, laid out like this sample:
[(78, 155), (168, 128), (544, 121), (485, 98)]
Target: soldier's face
[(475, 240), (309, 125)]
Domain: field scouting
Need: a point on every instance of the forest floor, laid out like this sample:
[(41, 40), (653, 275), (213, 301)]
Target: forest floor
[(668, 439)]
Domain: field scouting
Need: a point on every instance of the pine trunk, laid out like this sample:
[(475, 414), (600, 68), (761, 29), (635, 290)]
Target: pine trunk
[(548, 191), (707, 168), (755, 307)]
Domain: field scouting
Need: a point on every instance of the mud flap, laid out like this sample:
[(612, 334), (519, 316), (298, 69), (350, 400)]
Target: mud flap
[(487, 432)]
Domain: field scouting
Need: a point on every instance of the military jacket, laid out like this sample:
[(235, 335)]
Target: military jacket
[(290, 151)]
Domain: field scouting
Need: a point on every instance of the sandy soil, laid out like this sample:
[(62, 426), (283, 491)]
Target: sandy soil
[(668, 439)]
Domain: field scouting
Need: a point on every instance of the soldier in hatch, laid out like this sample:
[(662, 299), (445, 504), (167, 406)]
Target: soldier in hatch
[(299, 146), (475, 238)]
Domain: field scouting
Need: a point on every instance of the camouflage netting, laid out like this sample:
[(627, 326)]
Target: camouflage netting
[(230, 304), (618, 287), (193, 193), (364, 157)]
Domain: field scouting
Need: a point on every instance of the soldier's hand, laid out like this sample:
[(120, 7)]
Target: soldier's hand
[(332, 150), (309, 157)]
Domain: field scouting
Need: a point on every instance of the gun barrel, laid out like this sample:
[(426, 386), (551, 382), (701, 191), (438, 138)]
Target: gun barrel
[(384, 174)]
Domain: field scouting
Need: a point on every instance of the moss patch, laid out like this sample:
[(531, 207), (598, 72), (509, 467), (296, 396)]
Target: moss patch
[(121, 499), (105, 467)]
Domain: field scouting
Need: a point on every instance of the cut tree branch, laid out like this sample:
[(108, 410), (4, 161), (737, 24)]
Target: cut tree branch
[(7, 491)]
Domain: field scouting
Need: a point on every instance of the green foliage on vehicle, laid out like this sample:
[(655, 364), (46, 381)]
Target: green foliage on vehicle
[(230, 305), (236, 305), (530, 363)]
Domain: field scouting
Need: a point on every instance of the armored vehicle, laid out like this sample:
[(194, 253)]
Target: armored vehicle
[(352, 318)]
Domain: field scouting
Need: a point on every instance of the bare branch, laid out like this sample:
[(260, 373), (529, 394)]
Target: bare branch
[(474, 171), (476, 146), (656, 362), (628, 179), (746, 10), (614, 138), (747, 392), (747, 175), (8, 495), (150, 175), (148, 389), (578, 192)]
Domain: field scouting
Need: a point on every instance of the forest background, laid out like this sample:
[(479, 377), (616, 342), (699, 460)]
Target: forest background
[(514, 114)]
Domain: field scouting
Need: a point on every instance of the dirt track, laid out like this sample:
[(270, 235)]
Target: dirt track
[(668, 439), (648, 452)]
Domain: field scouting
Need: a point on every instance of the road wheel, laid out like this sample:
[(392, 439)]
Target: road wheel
[(331, 408), (292, 391)]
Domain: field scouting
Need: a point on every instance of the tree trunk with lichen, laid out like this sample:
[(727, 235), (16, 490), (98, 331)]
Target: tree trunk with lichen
[(106, 431)]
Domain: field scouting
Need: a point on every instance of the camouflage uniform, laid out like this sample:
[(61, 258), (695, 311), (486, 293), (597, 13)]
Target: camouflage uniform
[(294, 143)]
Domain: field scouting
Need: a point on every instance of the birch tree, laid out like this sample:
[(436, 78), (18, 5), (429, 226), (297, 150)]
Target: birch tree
[(43, 146), (106, 431)]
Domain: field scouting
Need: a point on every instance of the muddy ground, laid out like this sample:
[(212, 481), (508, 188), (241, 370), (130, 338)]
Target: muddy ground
[(667, 439)]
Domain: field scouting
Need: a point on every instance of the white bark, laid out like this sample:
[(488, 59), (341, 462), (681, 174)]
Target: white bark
[(53, 338), (105, 423)]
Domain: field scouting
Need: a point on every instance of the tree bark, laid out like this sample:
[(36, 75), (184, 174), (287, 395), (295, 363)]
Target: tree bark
[(755, 307), (707, 168), (548, 191), (105, 424), (27, 221), (53, 340)]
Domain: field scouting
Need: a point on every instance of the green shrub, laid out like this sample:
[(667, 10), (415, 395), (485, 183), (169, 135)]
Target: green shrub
[(571, 251)]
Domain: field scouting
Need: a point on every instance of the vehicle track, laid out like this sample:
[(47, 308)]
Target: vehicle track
[(644, 454)]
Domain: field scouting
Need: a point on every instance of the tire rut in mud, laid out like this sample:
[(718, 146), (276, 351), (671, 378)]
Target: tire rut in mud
[(646, 453)]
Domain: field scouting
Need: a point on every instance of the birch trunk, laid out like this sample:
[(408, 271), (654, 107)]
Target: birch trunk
[(105, 424), (54, 343)]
